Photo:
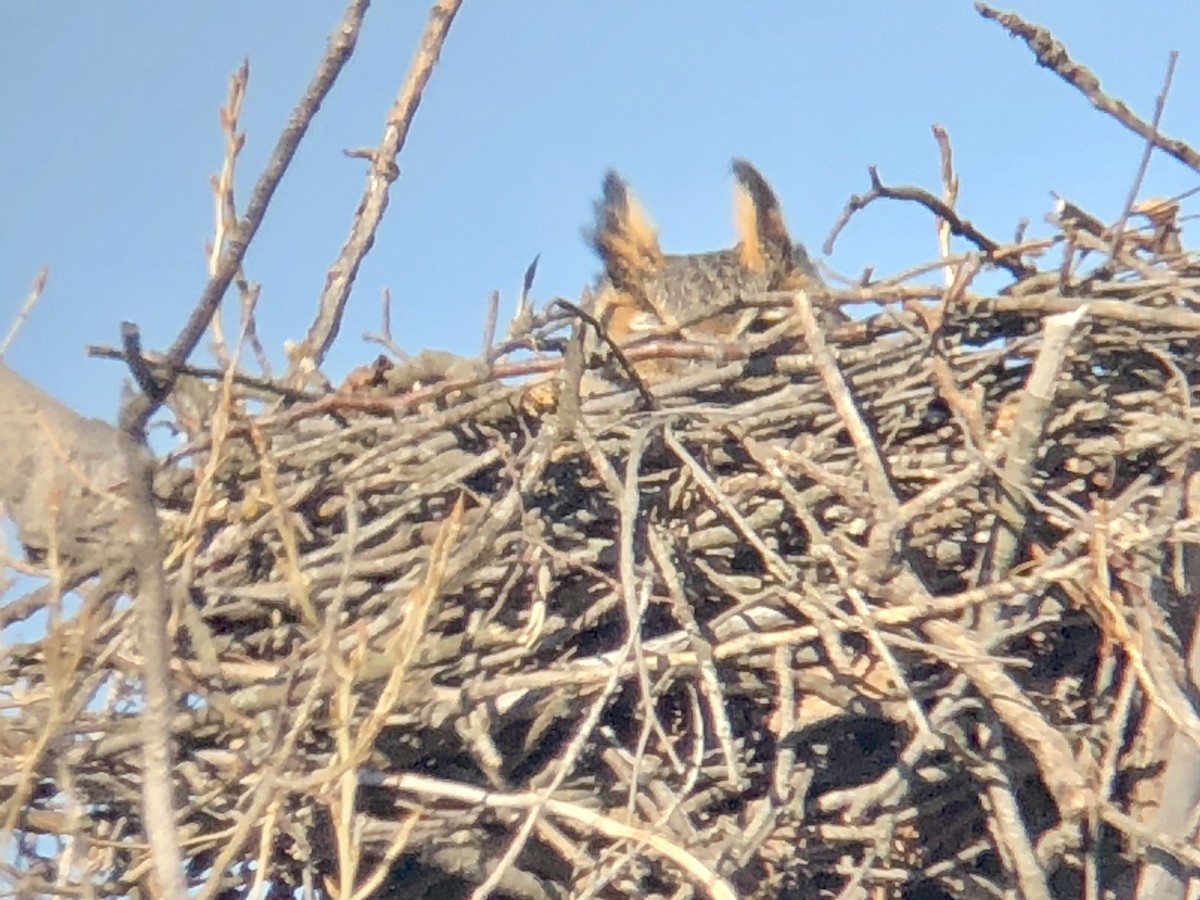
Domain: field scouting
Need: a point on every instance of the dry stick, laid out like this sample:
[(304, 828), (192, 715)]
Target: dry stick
[(622, 357), (341, 45), (158, 370), (636, 601), (131, 342), (1135, 314), (763, 815), (200, 636), (266, 844), (1006, 824), (1032, 414), (284, 744), (949, 195), (1159, 104), (1184, 851), (878, 483), (249, 324), (1052, 54), (151, 601), (152, 605), (967, 406), (383, 337), (370, 885), (775, 564), (222, 185), (425, 785), (1107, 766), (668, 817), (523, 322), (710, 680), (379, 179), (783, 792), (489, 326), (1177, 797), (285, 526), (1047, 745), (962, 227), (31, 300), (34, 751), (867, 619), (541, 800), (574, 362), (1156, 666)]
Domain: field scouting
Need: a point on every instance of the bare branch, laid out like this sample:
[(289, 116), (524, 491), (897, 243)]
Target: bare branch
[(383, 172), (31, 300), (1052, 54), (341, 45), (1159, 105), (959, 226)]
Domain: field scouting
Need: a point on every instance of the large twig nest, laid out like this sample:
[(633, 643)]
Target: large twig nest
[(897, 604)]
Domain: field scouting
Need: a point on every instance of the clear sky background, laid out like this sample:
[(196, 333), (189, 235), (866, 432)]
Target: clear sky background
[(109, 134)]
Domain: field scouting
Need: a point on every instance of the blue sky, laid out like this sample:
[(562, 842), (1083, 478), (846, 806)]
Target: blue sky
[(108, 120)]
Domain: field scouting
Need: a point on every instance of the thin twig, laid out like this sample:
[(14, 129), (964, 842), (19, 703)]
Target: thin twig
[(31, 300), (949, 194), (623, 357), (1160, 104), (489, 325), (341, 45), (384, 170), (383, 337), (960, 226), (157, 365), (423, 785), (222, 187)]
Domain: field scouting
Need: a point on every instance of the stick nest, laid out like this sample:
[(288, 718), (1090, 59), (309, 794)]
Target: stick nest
[(888, 608)]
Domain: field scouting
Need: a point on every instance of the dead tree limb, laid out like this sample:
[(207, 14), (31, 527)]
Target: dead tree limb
[(382, 173)]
